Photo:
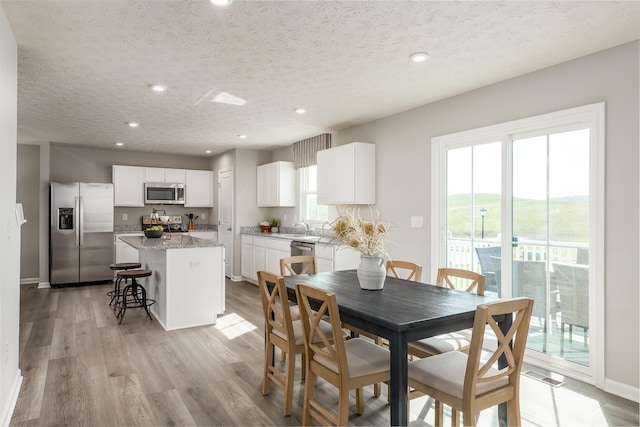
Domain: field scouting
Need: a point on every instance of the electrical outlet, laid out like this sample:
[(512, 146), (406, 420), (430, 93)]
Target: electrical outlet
[(204, 216), (125, 216), (195, 264)]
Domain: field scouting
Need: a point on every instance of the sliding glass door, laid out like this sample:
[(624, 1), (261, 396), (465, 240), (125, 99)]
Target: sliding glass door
[(517, 203)]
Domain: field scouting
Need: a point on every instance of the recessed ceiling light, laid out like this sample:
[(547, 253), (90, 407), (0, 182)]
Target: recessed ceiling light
[(242, 136), (419, 56), (133, 124), (207, 151), (300, 110), (221, 2), (119, 144), (158, 88)]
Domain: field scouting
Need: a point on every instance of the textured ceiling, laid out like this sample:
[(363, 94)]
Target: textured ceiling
[(85, 66)]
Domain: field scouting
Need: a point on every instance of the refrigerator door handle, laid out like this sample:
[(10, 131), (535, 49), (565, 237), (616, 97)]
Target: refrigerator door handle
[(80, 226)]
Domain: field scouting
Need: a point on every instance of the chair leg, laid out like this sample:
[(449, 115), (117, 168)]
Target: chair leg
[(343, 407), (377, 389), (288, 394), (309, 387), (360, 401), (303, 365), (455, 418), (438, 414), (268, 362), (513, 406), (469, 419)]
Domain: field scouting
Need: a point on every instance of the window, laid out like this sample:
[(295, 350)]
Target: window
[(309, 209)]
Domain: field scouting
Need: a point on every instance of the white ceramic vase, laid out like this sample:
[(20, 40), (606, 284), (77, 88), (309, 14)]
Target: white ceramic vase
[(371, 272)]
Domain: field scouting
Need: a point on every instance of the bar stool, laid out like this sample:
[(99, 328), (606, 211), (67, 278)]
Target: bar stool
[(133, 295), (115, 293)]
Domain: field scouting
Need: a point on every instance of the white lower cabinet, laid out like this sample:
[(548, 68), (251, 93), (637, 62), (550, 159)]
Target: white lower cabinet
[(334, 258), (265, 253), (276, 249)]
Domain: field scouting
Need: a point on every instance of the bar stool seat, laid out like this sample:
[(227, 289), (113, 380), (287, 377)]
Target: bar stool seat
[(115, 293), (133, 295)]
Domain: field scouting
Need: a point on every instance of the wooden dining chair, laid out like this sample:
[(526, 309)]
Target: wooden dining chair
[(453, 278), (306, 263), (471, 383), (281, 332), (404, 270), (348, 365)]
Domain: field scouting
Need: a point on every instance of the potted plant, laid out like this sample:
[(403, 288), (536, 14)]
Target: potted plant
[(275, 224)]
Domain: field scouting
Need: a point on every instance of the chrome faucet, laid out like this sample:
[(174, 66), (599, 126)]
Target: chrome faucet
[(305, 225)]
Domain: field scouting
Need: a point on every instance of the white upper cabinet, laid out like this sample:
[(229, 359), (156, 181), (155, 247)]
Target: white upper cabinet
[(175, 175), (276, 184), (164, 175), (128, 185), (198, 188), (347, 174)]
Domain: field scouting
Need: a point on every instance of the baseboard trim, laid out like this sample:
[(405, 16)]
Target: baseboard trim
[(236, 278), (623, 390), (44, 285), (29, 280), (12, 399)]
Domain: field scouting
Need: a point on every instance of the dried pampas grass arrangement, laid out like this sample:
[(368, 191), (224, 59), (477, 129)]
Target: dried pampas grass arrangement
[(365, 235)]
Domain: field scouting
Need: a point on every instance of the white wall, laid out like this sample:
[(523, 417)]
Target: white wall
[(403, 173), (10, 377)]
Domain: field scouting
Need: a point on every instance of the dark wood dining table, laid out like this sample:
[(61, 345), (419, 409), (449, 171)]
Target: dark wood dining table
[(401, 312)]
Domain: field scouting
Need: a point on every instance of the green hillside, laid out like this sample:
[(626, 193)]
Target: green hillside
[(569, 217)]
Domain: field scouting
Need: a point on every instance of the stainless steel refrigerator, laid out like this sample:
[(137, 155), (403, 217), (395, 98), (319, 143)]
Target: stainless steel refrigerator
[(81, 233)]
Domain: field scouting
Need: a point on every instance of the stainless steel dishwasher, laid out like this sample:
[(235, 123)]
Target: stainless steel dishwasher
[(301, 248)]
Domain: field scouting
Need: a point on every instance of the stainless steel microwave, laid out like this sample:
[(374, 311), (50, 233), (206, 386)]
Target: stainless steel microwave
[(163, 193)]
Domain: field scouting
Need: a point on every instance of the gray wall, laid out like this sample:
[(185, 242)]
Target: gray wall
[(27, 193), (403, 172)]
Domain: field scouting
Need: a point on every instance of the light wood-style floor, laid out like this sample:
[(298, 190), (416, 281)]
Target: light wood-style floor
[(81, 368)]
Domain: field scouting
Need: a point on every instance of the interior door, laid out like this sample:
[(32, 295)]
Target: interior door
[(225, 218)]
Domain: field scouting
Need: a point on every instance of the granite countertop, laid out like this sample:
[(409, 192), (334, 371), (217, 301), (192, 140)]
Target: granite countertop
[(311, 238), (169, 241)]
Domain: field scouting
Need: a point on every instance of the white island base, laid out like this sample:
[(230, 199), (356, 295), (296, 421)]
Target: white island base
[(187, 281)]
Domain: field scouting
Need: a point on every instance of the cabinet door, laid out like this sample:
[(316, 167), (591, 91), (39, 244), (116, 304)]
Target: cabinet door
[(324, 265), (128, 186), (266, 185), (175, 175), (258, 261), (247, 256), (154, 174), (199, 188), (346, 174)]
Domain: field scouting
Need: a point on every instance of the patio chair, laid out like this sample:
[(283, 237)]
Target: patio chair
[(572, 281), (484, 256), (470, 383)]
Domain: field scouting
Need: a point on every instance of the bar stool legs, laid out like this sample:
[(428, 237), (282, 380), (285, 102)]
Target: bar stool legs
[(115, 293), (133, 295)]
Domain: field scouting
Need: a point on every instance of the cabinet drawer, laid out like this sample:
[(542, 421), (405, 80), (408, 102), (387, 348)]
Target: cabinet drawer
[(247, 239), (258, 241), (325, 251), (278, 244)]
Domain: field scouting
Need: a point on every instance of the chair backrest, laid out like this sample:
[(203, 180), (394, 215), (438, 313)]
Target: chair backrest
[(404, 270), (572, 281), (457, 278), (323, 347), (306, 264), (275, 304), (479, 372)]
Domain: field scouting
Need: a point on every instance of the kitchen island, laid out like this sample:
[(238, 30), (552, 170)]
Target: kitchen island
[(188, 278)]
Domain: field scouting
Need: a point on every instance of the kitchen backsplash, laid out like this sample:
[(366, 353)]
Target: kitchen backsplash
[(134, 215)]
